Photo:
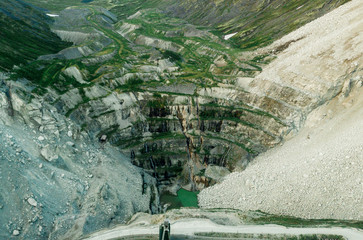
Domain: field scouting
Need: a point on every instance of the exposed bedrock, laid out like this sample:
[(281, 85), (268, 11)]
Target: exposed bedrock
[(179, 106), (57, 181)]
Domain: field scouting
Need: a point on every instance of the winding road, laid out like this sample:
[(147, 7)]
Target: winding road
[(192, 226)]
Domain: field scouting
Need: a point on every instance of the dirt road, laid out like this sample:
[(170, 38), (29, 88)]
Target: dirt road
[(191, 226)]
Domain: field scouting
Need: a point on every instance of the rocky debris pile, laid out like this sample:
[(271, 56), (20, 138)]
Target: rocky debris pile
[(57, 182), (316, 175), (216, 173), (319, 173)]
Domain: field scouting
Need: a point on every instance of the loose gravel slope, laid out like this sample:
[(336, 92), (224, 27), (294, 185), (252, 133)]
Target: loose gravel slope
[(319, 173)]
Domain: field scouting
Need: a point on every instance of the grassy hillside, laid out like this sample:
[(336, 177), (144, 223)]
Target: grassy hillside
[(24, 34), (258, 22), (122, 8)]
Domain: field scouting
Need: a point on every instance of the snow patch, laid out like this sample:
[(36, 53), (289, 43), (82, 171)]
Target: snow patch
[(52, 15), (136, 15), (228, 36)]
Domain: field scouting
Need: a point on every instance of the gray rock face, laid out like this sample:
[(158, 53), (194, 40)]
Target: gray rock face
[(73, 36), (61, 185), (32, 202), (174, 107), (158, 43), (68, 27), (216, 173), (16, 232), (75, 73)]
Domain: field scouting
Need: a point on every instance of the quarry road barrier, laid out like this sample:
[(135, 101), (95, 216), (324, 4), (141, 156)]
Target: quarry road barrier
[(192, 226)]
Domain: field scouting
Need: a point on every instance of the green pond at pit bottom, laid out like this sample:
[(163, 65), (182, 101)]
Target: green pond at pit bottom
[(184, 198)]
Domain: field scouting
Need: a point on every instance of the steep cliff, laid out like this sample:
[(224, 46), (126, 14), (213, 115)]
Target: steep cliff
[(174, 110), (175, 97), (182, 103)]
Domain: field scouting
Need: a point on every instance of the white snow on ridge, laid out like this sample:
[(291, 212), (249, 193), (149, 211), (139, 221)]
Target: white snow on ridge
[(228, 36), (52, 15)]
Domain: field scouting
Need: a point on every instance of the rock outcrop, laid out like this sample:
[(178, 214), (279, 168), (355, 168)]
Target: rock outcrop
[(150, 103), (181, 103), (57, 182)]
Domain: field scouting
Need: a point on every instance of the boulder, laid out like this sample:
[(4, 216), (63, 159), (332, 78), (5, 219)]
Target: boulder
[(216, 173)]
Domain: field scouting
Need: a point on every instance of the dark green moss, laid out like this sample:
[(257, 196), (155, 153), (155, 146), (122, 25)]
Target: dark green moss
[(173, 56), (25, 34)]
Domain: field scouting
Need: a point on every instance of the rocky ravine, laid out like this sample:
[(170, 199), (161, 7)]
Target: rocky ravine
[(56, 182), (148, 95), (318, 174), (175, 97)]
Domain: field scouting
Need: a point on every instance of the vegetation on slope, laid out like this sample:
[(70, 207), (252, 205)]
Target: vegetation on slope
[(257, 23), (24, 34), (122, 8), (169, 66)]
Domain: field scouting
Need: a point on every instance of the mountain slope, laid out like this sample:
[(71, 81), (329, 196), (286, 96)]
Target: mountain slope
[(175, 97), (256, 23), (122, 8), (318, 174), (24, 34)]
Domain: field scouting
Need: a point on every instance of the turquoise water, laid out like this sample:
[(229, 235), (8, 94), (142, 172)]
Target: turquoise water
[(184, 198), (187, 198)]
